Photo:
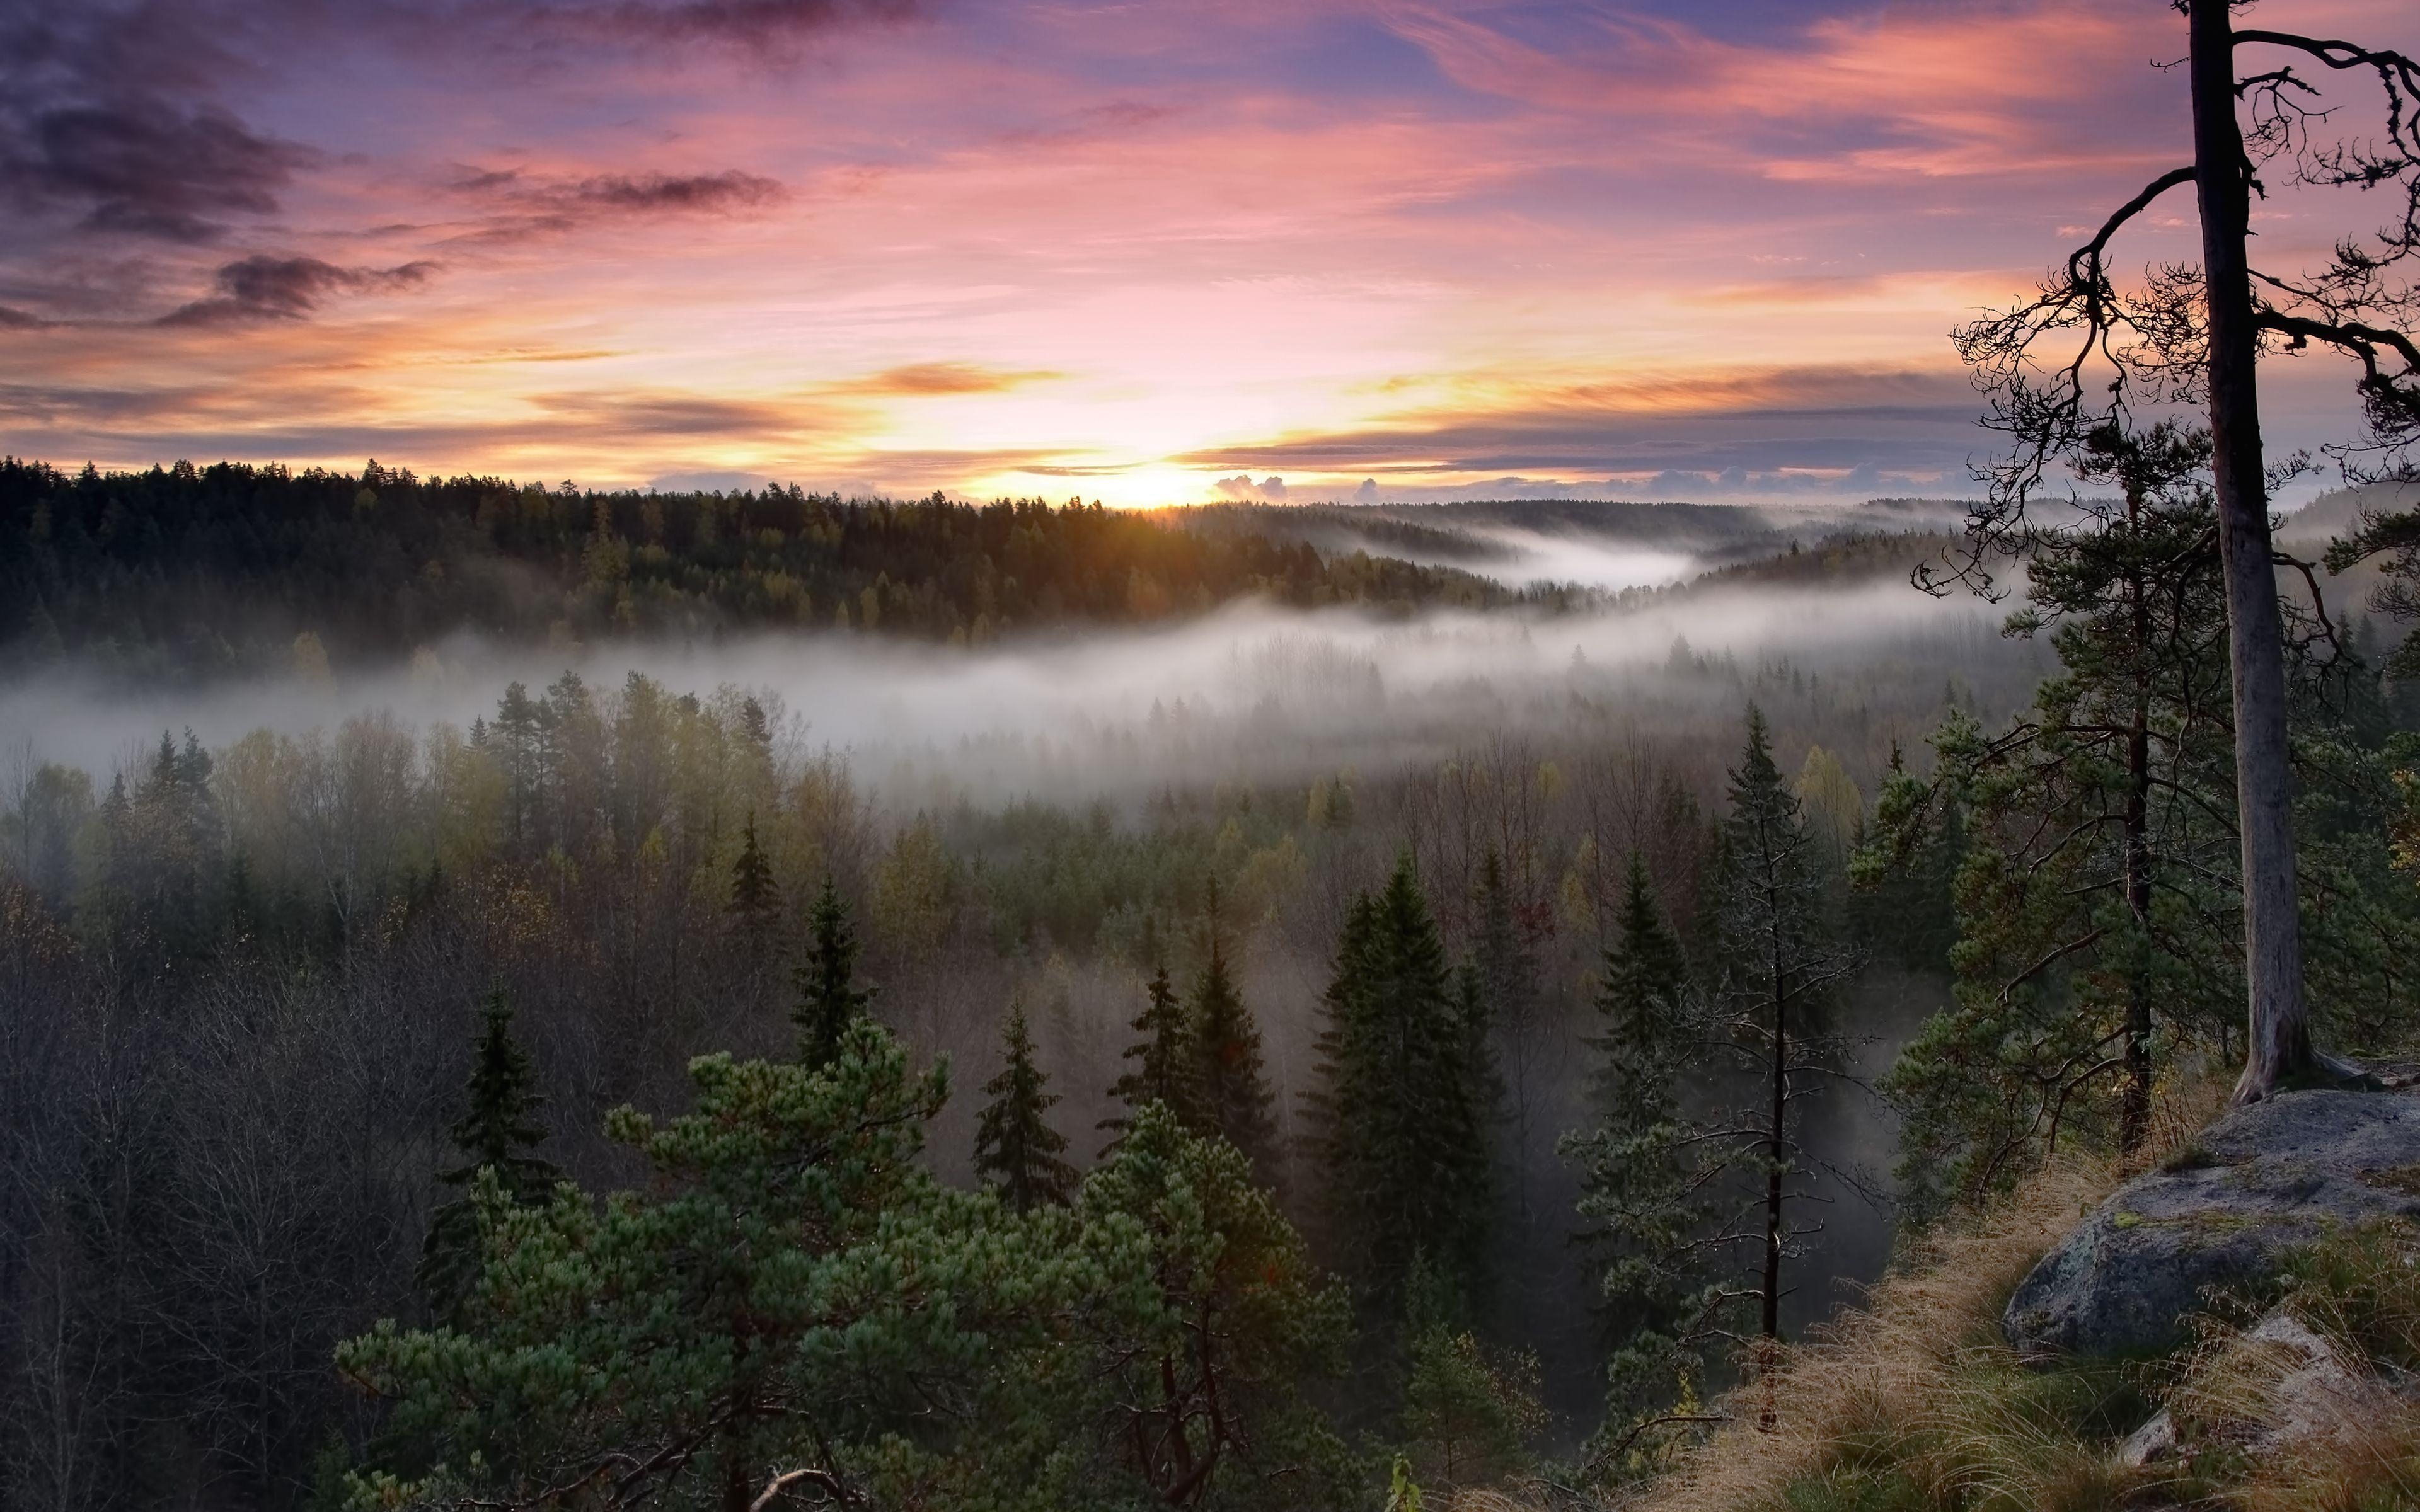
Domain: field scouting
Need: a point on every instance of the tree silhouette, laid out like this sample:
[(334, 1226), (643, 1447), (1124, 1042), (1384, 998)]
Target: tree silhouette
[(829, 1000), (1780, 967), (496, 1133), (1231, 1079), (1016, 1147), (1164, 1070), (2084, 355), (755, 897), (1401, 1109)]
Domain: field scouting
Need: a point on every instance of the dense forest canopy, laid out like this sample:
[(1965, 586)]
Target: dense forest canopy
[(1539, 1000), (184, 570)]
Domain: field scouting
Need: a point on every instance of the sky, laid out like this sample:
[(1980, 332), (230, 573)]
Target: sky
[(1156, 251)]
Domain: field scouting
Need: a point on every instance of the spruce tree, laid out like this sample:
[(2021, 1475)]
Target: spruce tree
[(1163, 1054), (1779, 967), (1231, 1081), (497, 1132), (1502, 1019), (1644, 1211), (755, 897), (1399, 1113), (829, 1000), (1641, 1008), (1903, 872), (1016, 1148)]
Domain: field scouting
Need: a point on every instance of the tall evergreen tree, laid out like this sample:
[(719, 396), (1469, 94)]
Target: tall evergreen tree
[(1903, 872), (1401, 1110), (755, 897), (497, 1132), (1163, 1067), (1501, 1018), (1643, 1199), (172, 846), (513, 740), (829, 1000), (1231, 1079), (2094, 895), (1642, 1007), (1780, 967), (2098, 887), (1016, 1147)]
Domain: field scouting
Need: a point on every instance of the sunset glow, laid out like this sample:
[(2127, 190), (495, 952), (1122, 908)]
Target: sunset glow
[(1145, 253)]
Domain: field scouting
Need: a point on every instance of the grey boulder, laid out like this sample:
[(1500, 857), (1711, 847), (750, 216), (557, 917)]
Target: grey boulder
[(2259, 1181)]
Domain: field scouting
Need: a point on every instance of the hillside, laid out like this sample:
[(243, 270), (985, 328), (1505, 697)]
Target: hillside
[(2288, 1386), (189, 571)]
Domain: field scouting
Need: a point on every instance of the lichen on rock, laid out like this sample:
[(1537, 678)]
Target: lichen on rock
[(2262, 1181)]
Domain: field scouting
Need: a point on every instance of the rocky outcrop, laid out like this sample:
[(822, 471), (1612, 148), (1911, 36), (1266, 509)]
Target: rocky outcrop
[(2259, 1181), (2279, 1385)]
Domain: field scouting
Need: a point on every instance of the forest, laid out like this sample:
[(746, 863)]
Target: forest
[(184, 571), (1391, 1029)]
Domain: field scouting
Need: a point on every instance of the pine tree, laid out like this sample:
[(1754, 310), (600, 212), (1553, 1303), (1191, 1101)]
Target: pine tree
[(1206, 1404), (1163, 1054), (515, 738), (2094, 896), (786, 1288), (1016, 1147), (1231, 1081), (1469, 1412), (829, 1000), (1780, 967), (1643, 1207), (1903, 872), (1400, 1114), (755, 897), (1642, 1005), (177, 835), (496, 1133), (1500, 1016)]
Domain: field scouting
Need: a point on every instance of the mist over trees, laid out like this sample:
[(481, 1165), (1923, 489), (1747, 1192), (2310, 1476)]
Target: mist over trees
[(1477, 1100), (1349, 1091)]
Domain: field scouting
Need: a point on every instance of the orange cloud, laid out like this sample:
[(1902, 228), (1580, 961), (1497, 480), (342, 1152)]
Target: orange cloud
[(1155, 245), (918, 379)]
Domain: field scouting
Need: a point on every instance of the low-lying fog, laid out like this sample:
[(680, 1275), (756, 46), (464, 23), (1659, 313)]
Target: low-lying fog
[(1249, 691)]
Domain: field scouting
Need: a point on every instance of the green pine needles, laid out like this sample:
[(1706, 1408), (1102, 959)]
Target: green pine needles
[(791, 1309)]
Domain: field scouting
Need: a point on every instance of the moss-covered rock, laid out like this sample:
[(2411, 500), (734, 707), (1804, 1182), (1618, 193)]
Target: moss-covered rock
[(2264, 1179)]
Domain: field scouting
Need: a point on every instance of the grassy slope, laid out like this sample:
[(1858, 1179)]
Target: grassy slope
[(1915, 1405)]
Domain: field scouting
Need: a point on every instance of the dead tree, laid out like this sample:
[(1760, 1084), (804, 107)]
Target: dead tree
[(2084, 354)]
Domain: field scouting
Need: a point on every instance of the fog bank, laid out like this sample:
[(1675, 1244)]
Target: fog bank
[(1251, 691)]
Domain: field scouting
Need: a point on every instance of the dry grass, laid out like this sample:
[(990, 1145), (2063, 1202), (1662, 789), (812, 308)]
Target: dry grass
[(1915, 1404), (2359, 1291), (1910, 1383), (1915, 1401)]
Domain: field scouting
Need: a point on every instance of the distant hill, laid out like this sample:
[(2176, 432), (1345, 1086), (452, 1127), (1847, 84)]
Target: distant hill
[(2339, 510), (186, 571)]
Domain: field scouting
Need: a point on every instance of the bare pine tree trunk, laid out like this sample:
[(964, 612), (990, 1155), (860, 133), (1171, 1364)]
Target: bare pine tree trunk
[(2280, 1039), (1776, 1147), (2134, 1105)]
